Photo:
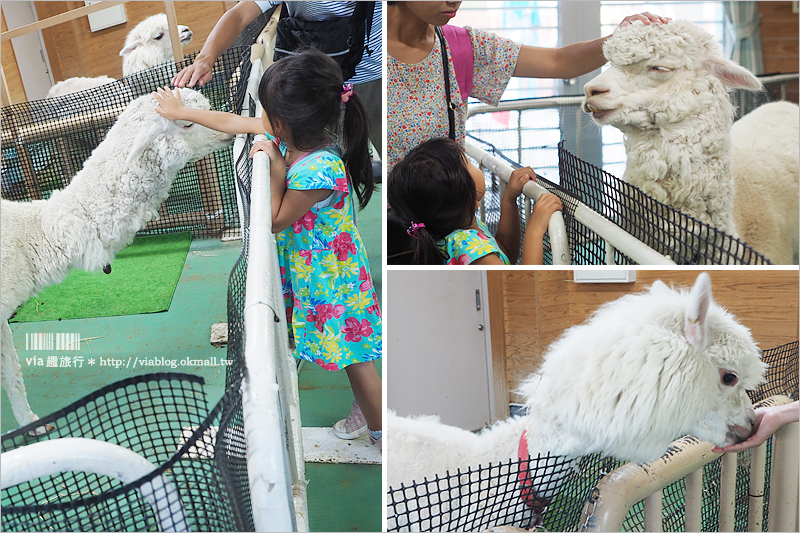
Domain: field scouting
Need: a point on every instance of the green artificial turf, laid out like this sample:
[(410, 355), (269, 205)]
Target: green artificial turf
[(142, 280)]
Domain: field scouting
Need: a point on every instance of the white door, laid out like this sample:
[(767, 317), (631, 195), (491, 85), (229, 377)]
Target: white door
[(438, 351), (29, 50)]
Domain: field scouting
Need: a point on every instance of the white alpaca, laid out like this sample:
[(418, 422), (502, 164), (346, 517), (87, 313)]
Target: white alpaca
[(146, 45), (113, 196), (641, 372), (666, 90)]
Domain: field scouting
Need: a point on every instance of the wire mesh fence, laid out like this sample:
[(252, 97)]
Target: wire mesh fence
[(683, 239), (164, 418), (479, 497), (45, 142)]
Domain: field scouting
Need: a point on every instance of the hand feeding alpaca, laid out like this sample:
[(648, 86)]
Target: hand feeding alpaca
[(641, 372), (666, 90), (82, 226), (147, 45)]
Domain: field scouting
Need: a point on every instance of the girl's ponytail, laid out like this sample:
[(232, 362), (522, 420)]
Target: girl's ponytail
[(355, 143)]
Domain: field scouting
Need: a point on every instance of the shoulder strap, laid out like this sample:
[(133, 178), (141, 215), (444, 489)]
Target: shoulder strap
[(446, 71), (463, 58)]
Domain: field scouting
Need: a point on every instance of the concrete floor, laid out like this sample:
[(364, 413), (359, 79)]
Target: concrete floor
[(341, 497)]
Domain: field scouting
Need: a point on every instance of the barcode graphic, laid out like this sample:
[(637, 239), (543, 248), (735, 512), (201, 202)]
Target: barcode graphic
[(52, 341)]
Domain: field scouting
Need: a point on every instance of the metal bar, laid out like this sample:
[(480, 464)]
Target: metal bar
[(616, 236), (755, 507), (727, 493), (556, 228), (694, 500), (57, 19), (783, 494), (43, 459), (653, 508), (267, 461), (525, 104)]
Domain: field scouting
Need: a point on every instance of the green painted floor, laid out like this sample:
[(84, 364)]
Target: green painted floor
[(341, 497)]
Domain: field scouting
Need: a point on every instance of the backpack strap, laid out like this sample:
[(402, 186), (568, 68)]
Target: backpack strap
[(463, 58)]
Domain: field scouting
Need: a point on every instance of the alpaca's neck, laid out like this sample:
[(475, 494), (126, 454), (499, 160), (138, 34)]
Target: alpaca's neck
[(101, 210), (686, 165)]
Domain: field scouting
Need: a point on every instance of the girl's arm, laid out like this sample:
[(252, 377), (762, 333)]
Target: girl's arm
[(507, 235), (572, 60), (288, 205), (171, 107), (533, 247)]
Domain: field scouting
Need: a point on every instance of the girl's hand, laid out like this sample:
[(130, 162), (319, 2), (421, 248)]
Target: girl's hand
[(271, 149), (647, 18), (545, 206), (169, 103), (517, 181)]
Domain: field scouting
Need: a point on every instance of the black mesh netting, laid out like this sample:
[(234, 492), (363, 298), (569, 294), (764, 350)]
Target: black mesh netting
[(477, 498), (45, 142), (164, 418), (682, 238)]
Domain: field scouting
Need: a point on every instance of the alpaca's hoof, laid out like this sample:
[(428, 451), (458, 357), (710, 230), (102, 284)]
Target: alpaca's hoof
[(107, 269), (41, 430)]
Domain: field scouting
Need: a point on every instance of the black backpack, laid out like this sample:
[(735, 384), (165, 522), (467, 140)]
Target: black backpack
[(343, 39)]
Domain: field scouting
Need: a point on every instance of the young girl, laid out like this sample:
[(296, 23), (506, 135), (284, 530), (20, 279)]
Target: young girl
[(434, 193), (330, 300)]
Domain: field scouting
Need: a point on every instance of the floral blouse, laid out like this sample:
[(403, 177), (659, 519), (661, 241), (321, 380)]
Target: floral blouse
[(464, 246), (330, 301), (417, 109)]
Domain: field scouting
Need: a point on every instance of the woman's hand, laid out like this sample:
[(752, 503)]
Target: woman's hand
[(170, 105), (646, 17), (517, 181), (198, 73)]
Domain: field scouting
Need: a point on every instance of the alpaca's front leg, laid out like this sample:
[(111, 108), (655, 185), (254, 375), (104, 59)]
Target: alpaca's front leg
[(14, 384)]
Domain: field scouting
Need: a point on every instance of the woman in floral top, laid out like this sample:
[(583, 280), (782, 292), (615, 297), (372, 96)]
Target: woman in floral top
[(331, 304), (416, 104), (434, 192)]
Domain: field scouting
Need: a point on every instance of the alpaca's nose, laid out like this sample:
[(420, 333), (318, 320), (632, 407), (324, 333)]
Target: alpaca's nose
[(594, 90), (744, 432)]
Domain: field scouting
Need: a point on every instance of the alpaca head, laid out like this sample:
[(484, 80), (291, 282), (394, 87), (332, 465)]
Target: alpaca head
[(643, 371), (662, 74), (148, 44), (175, 143)]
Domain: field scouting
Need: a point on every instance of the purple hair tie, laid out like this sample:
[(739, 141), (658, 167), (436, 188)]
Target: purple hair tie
[(347, 92), (412, 229)]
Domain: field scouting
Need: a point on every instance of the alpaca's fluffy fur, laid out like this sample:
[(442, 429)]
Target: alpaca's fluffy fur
[(666, 90), (146, 45), (82, 226), (642, 371)]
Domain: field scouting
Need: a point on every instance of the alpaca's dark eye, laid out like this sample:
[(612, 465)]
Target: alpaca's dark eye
[(159, 36), (729, 379)]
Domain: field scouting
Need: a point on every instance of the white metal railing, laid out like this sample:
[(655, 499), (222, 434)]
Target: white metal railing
[(614, 236), (51, 457), (270, 399), (618, 491)]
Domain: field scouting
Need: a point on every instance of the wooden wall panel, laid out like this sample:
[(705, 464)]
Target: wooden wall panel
[(74, 50), (11, 69), (779, 37), (766, 301)]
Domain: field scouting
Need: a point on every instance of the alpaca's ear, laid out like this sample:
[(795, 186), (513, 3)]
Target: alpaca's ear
[(694, 322), (145, 138), (130, 48), (731, 74), (658, 285)]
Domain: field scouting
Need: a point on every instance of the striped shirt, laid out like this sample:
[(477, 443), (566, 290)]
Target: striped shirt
[(369, 69)]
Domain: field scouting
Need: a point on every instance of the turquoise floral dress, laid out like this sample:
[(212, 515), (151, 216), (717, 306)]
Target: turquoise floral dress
[(327, 288), (464, 246)]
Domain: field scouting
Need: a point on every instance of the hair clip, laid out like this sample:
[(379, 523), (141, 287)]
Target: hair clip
[(412, 229), (347, 92)]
